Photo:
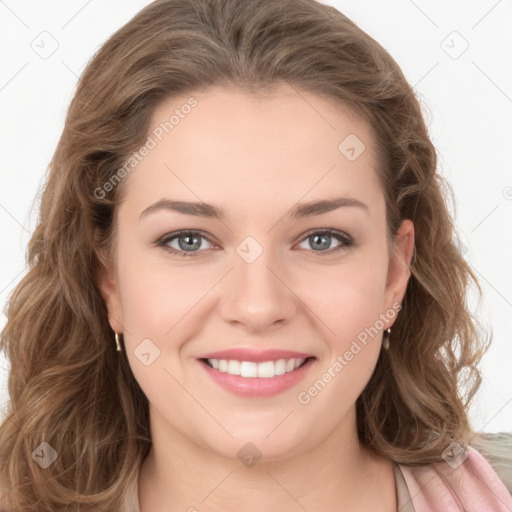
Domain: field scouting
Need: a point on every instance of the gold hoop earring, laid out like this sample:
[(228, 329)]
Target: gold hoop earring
[(118, 344)]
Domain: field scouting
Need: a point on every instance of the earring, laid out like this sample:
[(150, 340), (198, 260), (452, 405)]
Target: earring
[(385, 341), (118, 345)]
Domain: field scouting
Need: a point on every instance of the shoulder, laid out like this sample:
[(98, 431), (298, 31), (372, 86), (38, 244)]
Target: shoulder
[(468, 479), (497, 450)]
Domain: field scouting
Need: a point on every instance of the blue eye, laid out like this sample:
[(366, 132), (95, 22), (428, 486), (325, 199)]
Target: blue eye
[(189, 243), (321, 240)]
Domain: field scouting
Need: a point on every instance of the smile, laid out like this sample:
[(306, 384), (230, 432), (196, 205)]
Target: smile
[(256, 379), (250, 369)]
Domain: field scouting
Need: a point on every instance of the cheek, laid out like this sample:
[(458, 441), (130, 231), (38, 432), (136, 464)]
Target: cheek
[(347, 298), (155, 297), (349, 310), (153, 302), (161, 306)]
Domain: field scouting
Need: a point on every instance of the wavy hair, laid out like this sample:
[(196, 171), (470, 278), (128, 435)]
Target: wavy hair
[(69, 387)]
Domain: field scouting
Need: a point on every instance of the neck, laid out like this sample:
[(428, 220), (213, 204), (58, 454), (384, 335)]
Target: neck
[(180, 476)]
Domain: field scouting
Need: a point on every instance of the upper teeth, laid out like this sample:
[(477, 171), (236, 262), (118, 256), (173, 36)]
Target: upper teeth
[(250, 369)]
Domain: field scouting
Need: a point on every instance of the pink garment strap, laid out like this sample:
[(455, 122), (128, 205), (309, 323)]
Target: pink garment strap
[(474, 486)]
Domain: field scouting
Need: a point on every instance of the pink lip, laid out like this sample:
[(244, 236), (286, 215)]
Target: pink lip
[(256, 387), (255, 356)]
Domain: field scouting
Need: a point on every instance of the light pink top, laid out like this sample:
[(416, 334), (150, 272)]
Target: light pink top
[(474, 486)]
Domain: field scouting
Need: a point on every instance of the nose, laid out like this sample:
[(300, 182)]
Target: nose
[(258, 295)]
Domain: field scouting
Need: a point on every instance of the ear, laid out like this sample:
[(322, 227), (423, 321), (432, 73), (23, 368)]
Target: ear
[(399, 264), (109, 290)]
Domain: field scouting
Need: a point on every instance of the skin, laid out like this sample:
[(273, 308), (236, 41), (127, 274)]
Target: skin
[(294, 296)]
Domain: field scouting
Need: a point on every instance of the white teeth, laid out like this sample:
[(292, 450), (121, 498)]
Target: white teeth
[(265, 370), (233, 367), (248, 369), (280, 367)]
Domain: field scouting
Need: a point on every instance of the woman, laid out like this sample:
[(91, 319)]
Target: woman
[(243, 290)]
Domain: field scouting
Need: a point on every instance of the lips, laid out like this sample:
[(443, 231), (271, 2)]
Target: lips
[(251, 373)]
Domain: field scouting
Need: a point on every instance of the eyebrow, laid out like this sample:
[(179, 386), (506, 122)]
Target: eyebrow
[(300, 210)]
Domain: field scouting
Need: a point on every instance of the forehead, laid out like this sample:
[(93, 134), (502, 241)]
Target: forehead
[(225, 146)]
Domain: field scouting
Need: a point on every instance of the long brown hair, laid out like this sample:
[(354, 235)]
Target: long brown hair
[(69, 387)]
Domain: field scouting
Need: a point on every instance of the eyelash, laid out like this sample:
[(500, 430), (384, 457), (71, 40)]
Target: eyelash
[(346, 241)]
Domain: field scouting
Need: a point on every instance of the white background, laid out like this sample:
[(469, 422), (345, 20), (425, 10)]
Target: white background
[(467, 102)]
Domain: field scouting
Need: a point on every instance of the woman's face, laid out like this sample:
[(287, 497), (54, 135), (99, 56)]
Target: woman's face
[(262, 279)]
